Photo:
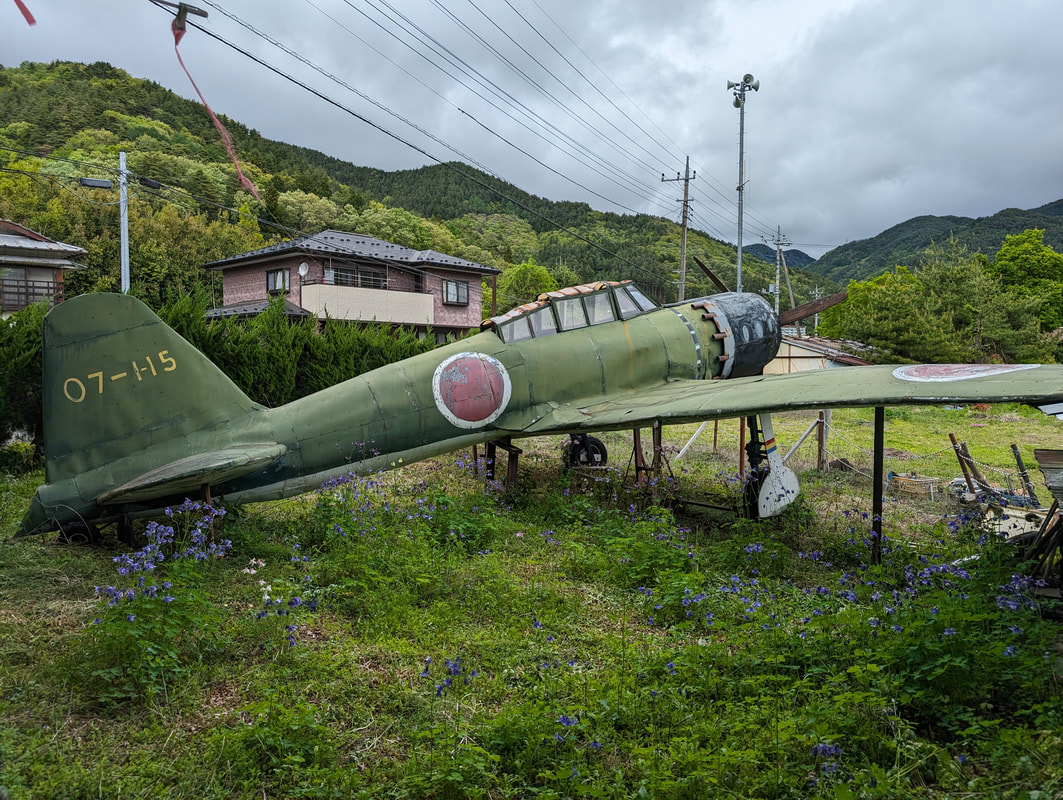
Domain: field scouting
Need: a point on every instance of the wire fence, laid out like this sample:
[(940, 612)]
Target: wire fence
[(929, 473)]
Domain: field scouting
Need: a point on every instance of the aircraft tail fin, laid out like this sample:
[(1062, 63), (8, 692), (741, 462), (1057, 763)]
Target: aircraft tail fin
[(118, 381)]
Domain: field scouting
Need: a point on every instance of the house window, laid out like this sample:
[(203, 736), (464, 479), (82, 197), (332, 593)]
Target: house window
[(456, 293), (277, 280), (361, 277)]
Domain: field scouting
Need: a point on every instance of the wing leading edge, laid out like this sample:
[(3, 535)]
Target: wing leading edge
[(927, 384)]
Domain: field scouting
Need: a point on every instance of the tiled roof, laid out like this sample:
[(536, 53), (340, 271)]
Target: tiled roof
[(354, 245), (253, 307)]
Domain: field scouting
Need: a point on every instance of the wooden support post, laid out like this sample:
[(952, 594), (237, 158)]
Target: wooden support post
[(963, 463), (658, 446), (742, 449), (821, 441), (976, 473), (1024, 476), (512, 461), (876, 496), (643, 471), (489, 461), (715, 433)]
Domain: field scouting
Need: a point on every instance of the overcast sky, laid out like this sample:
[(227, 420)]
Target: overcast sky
[(869, 112)]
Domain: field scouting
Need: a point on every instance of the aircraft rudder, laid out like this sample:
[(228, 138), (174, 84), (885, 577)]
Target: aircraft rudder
[(117, 380)]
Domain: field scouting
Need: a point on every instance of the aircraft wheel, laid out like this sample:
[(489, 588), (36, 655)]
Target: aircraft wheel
[(586, 451), (79, 533)]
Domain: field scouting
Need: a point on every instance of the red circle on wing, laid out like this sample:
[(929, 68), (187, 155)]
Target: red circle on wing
[(472, 388)]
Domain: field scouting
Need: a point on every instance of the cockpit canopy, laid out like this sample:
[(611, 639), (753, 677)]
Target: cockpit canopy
[(569, 309)]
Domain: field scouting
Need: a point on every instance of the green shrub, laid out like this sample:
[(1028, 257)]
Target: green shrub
[(18, 458)]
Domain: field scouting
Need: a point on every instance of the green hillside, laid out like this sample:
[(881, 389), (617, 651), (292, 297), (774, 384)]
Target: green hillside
[(58, 120), (904, 244)]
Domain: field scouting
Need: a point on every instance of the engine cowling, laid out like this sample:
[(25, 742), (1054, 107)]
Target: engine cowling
[(747, 328)]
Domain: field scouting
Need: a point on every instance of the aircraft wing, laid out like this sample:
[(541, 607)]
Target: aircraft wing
[(915, 384)]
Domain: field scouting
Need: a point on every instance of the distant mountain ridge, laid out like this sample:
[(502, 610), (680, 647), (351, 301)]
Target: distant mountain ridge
[(795, 259), (904, 244)]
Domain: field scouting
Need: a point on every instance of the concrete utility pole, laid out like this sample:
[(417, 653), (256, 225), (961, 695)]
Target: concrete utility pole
[(124, 219), (740, 88), (686, 179), (780, 242)]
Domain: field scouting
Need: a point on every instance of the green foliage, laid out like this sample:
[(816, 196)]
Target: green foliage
[(611, 654), (1033, 271), (952, 308), (21, 345), (17, 458), (522, 284), (284, 743), (156, 619)]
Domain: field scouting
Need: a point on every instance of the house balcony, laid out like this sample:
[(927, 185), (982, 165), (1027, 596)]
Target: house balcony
[(16, 295), (367, 305)]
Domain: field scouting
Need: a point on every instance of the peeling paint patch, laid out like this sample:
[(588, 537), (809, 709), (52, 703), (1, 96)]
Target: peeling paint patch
[(471, 389)]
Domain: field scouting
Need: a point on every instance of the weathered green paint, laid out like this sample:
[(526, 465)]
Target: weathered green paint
[(136, 418)]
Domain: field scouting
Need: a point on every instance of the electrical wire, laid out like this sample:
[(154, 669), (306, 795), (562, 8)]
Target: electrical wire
[(474, 179)]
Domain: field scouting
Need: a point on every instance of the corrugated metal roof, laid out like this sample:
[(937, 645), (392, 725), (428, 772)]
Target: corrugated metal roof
[(16, 243), (355, 245)]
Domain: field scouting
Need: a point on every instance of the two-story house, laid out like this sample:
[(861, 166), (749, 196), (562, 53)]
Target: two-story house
[(32, 267), (353, 277)]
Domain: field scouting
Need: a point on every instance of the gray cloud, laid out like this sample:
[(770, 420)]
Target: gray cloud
[(870, 111)]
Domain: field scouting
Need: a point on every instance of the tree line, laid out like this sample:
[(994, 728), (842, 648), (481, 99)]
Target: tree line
[(271, 357), (956, 306)]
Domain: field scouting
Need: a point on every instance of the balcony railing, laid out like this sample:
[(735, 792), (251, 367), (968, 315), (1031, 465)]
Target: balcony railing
[(365, 304), (15, 295)]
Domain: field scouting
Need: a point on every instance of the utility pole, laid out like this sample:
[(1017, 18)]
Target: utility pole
[(740, 89), (686, 179), (124, 218), (780, 242)]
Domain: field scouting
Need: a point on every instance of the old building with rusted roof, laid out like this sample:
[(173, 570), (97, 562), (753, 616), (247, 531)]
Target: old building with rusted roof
[(32, 267)]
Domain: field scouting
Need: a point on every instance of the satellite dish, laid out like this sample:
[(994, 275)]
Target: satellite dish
[(303, 269)]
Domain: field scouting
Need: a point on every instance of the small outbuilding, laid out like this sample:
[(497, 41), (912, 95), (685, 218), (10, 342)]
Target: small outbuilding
[(32, 267)]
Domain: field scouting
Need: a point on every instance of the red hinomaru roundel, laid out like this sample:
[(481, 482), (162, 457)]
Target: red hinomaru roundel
[(471, 389), (937, 373)]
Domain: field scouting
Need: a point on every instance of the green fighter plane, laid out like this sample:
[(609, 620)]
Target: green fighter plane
[(136, 419)]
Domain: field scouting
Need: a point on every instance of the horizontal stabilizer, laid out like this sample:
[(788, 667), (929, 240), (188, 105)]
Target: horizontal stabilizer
[(189, 475)]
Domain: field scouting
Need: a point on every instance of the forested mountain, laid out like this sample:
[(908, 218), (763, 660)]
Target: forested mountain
[(58, 120), (903, 245), (795, 259)]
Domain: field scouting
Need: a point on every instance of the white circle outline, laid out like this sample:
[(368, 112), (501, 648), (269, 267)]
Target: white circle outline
[(507, 391), (982, 371)]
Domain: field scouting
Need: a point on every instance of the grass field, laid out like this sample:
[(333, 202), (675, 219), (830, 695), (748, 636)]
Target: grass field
[(419, 634)]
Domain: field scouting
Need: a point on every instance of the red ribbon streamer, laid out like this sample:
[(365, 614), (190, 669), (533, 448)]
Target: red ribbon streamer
[(178, 28), (25, 12)]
